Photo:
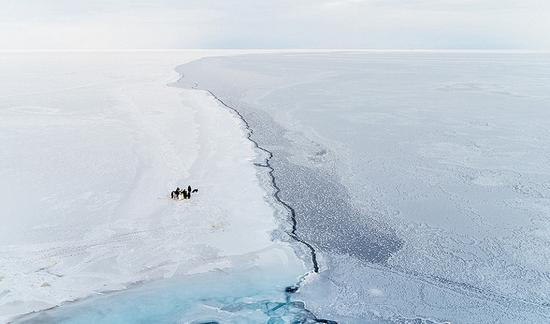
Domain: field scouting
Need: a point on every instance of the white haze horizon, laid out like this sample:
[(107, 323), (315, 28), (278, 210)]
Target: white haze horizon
[(276, 50), (284, 24)]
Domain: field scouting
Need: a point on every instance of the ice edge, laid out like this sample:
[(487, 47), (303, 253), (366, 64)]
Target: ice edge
[(292, 233)]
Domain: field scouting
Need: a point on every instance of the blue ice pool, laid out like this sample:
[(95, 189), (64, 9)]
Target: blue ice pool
[(252, 296)]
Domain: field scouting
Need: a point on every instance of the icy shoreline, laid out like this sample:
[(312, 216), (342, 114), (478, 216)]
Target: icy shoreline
[(81, 248), (275, 189)]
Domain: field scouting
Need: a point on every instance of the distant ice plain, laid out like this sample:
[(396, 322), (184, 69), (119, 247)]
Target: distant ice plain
[(422, 177)]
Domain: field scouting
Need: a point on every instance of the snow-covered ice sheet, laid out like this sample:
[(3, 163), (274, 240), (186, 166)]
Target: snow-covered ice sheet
[(91, 144), (422, 178)]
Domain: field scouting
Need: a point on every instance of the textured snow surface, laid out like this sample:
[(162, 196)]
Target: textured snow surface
[(423, 179), (91, 145)]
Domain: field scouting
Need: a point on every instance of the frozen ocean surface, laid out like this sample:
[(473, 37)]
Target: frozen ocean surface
[(422, 179)]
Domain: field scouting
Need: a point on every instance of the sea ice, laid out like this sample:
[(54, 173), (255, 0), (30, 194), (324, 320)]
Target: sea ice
[(421, 178)]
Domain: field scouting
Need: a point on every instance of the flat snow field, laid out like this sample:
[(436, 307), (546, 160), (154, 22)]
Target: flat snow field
[(91, 146)]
